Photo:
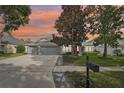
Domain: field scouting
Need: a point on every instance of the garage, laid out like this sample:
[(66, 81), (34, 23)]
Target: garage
[(48, 48)]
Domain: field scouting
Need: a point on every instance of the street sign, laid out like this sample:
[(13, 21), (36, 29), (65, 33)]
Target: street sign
[(93, 67)]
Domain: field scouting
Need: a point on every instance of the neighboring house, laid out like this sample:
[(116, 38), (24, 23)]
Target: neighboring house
[(66, 49), (8, 44), (89, 47), (7, 48)]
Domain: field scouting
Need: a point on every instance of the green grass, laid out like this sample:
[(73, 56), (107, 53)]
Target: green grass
[(80, 60), (5, 56), (97, 80)]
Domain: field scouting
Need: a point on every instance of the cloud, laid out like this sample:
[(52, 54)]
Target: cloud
[(31, 32), (45, 7), (43, 18), (41, 23)]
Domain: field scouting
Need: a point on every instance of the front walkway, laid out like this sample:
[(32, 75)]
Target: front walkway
[(28, 71), (83, 68)]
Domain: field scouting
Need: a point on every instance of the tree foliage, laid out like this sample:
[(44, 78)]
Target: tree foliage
[(108, 19), (14, 16), (72, 24)]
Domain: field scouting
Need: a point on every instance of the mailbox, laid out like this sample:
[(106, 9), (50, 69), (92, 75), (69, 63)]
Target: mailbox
[(94, 67)]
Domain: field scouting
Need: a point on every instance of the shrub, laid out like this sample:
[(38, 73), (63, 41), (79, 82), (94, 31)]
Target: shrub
[(20, 49)]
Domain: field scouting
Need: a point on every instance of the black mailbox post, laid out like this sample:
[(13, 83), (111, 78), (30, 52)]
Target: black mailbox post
[(90, 66), (87, 72)]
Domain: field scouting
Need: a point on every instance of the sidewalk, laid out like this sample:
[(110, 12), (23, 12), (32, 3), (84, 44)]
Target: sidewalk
[(83, 68)]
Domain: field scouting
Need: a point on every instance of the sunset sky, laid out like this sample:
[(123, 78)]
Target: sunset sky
[(41, 22)]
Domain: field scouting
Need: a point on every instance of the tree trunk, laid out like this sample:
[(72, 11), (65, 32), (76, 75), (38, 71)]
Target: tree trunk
[(72, 43), (74, 50), (117, 52), (105, 49), (76, 53)]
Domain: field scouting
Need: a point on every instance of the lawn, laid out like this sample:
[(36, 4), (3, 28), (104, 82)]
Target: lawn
[(5, 56), (81, 60), (97, 80)]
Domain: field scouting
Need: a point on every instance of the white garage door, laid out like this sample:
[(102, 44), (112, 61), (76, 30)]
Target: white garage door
[(49, 50)]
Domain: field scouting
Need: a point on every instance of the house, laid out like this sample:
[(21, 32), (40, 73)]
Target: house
[(43, 47), (66, 49), (89, 47), (8, 43), (48, 48)]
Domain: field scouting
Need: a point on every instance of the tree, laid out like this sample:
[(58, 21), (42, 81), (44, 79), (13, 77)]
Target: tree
[(14, 16), (57, 40), (20, 49), (108, 20), (72, 25)]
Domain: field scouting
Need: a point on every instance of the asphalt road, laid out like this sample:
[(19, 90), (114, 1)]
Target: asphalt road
[(28, 71)]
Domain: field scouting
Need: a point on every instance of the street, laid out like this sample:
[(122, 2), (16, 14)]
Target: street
[(28, 71)]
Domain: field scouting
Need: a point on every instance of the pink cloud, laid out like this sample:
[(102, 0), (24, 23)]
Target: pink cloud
[(40, 23)]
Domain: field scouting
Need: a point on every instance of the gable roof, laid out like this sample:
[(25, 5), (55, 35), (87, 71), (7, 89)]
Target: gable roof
[(11, 40)]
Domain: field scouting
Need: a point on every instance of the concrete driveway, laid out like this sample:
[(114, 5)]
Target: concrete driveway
[(28, 71)]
